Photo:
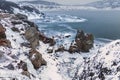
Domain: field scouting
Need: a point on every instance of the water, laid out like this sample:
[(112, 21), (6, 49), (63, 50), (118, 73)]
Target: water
[(102, 24)]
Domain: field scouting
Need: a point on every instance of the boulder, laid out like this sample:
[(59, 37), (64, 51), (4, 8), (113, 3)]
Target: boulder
[(21, 16), (26, 73), (5, 43), (15, 29), (16, 22), (4, 15), (83, 42), (31, 24), (36, 59), (46, 40), (10, 66), (49, 50), (2, 32), (60, 49), (73, 49), (32, 35), (22, 65)]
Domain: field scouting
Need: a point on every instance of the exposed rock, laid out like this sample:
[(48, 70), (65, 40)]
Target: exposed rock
[(50, 50), (83, 42), (5, 42), (15, 29), (32, 35), (1, 54), (46, 40), (16, 22), (36, 59), (25, 44), (2, 32), (43, 62), (10, 67), (73, 49), (67, 36), (60, 49), (4, 15), (22, 65), (42, 37), (31, 24), (21, 16), (26, 73), (9, 6)]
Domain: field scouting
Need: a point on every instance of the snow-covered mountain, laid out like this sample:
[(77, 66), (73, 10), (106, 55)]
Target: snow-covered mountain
[(24, 49), (11, 7), (26, 53), (40, 4), (105, 4)]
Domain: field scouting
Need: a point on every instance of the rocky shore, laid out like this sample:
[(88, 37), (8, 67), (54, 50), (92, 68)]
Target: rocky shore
[(28, 54), (19, 36)]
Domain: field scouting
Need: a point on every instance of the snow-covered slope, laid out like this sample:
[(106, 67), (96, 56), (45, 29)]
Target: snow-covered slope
[(106, 4), (101, 63), (28, 10)]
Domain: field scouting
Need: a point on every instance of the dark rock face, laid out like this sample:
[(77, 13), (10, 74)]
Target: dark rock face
[(10, 67), (49, 50), (2, 32), (36, 59), (21, 16), (83, 42), (32, 35), (33, 29), (4, 15), (26, 73), (16, 22), (73, 49), (22, 65), (7, 6), (60, 49), (3, 40), (46, 40), (30, 9), (15, 29)]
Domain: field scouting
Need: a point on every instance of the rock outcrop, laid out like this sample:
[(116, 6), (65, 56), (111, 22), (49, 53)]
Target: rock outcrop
[(32, 35), (11, 5), (36, 59), (3, 40), (83, 42), (17, 36), (21, 16), (22, 65), (46, 40), (60, 49), (2, 32), (5, 43)]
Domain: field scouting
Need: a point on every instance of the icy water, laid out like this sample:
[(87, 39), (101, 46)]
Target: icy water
[(103, 24)]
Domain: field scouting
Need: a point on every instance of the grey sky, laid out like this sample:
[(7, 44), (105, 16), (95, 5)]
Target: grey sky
[(67, 2), (72, 2)]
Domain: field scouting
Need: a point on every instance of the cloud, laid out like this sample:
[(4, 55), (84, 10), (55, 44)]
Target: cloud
[(72, 2), (67, 2)]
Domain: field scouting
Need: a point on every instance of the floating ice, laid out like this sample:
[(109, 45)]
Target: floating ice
[(61, 19)]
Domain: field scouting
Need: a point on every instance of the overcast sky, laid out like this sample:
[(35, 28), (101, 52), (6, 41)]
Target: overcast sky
[(72, 2), (67, 2)]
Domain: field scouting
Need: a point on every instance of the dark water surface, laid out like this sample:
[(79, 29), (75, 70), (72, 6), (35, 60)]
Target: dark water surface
[(103, 24)]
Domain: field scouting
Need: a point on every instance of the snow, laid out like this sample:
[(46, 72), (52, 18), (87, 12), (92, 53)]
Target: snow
[(60, 65), (31, 15), (63, 18)]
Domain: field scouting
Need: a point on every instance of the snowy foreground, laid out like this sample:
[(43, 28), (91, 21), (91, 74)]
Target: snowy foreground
[(101, 63)]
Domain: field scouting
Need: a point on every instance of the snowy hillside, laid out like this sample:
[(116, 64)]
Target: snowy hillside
[(26, 54), (27, 10), (105, 4)]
